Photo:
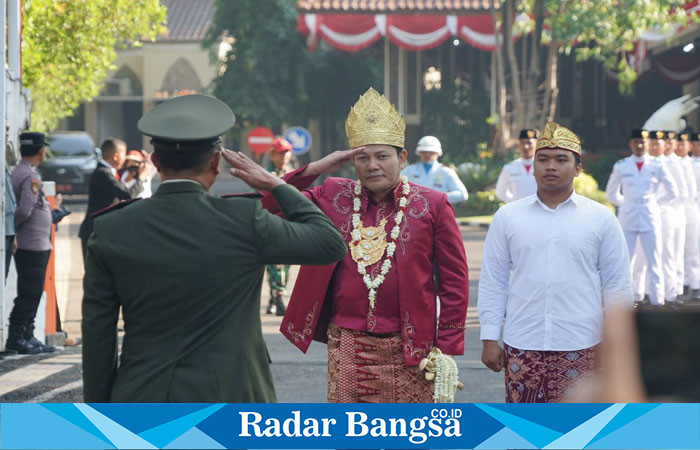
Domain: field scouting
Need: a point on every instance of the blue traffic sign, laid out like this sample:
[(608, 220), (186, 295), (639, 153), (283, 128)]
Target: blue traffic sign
[(300, 138)]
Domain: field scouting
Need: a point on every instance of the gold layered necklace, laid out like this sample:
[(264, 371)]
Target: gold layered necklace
[(370, 243)]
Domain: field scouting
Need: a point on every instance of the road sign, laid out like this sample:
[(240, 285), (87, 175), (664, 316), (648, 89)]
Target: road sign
[(300, 138), (260, 139)]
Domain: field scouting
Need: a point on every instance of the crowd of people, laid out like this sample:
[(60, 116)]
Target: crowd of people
[(656, 192), (383, 279)]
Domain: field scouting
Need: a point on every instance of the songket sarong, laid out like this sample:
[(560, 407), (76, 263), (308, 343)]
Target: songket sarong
[(370, 368), (545, 376)]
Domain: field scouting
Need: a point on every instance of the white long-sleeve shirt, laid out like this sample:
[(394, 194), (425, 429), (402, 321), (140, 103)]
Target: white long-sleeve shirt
[(439, 177), (516, 180), (675, 167), (635, 188), (544, 270), (687, 165)]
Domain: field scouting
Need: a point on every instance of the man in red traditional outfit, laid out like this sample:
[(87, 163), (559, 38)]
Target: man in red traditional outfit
[(376, 309)]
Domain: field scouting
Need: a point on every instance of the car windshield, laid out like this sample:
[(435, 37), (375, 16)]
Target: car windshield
[(70, 145)]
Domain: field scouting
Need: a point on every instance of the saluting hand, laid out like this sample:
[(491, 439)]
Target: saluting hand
[(493, 356), (333, 162), (250, 172)]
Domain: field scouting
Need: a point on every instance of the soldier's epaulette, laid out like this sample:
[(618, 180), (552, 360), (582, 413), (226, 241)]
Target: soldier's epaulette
[(114, 207), (244, 194)]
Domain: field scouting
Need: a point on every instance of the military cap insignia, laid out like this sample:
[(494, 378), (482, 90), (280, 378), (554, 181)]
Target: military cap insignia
[(659, 135), (530, 134), (645, 134)]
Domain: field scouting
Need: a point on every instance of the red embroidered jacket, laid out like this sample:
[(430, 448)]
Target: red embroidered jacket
[(430, 243)]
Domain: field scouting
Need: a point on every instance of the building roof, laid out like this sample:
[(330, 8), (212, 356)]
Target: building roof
[(395, 6), (188, 20)]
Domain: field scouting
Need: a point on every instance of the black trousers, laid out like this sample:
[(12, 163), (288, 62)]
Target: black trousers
[(31, 271), (9, 243)]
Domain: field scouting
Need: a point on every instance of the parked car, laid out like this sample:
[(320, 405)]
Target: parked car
[(71, 159)]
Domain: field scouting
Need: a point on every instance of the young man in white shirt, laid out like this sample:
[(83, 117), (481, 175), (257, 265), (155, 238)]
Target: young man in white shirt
[(516, 179), (547, 259)]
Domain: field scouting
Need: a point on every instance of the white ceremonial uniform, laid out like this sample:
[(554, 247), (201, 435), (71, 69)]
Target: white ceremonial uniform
[(669, 229), (439, 177), (633, 187), (545, 270), (691, 256), (676, 254), (517, 180)]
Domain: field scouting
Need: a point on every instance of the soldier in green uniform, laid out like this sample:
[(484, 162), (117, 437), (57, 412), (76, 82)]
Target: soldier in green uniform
[(277, 274), (188, 280)]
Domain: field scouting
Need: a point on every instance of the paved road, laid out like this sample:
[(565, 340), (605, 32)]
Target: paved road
[(298, 377)]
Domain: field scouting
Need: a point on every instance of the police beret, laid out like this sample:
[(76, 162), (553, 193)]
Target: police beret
[(32, 139), (638, 133), (182, 122), (529, 133)]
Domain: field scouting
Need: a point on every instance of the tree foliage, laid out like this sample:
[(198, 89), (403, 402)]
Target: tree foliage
[(68, 48), (270, 78), (603, 30)]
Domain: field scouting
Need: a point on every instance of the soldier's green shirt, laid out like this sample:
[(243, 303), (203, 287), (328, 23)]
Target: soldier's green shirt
[(186, 268)]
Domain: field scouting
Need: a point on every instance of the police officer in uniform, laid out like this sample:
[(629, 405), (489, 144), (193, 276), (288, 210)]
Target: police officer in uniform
[(516, 179), (633, 187), (430, 173), (33, 227), (188, 279)]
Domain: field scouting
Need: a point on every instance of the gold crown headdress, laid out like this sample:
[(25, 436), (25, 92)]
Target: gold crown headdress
[(556, 136), (374, 120)]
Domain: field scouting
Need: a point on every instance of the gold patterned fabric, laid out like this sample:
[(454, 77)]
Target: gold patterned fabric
[(370, 368), (374, 120), (555, 136)]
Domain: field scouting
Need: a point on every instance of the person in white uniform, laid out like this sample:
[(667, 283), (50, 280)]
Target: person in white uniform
[(430, 173), (632, 188), (695, 150), (669, 228), (516, 179), (691, 256), (679, 173)]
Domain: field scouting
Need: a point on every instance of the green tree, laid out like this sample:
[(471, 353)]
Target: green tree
[(268, 77), (604, 30), (68, 48)]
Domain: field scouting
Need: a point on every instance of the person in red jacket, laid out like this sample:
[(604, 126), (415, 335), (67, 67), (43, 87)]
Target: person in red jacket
[(376, 309)]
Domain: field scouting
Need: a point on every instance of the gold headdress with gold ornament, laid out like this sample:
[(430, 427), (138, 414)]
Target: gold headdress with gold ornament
[(374, 120), (556, 136)]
